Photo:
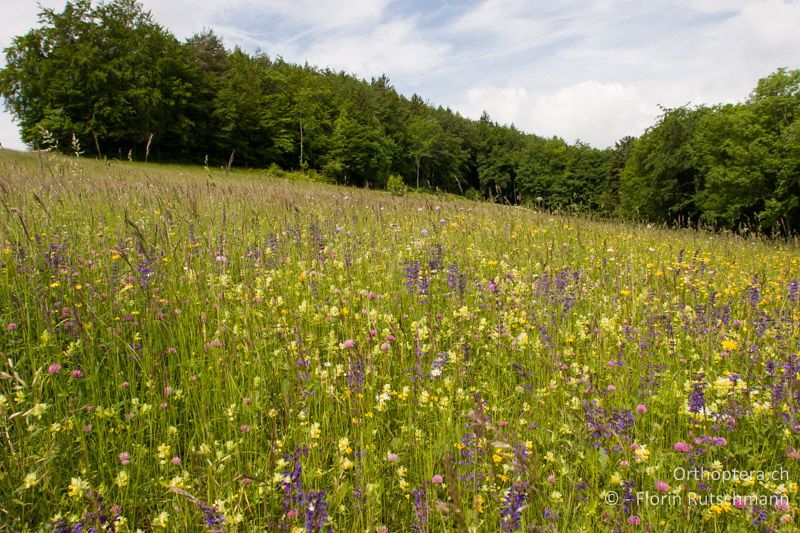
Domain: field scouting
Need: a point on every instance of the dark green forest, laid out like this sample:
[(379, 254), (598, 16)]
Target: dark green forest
[(111, 80)]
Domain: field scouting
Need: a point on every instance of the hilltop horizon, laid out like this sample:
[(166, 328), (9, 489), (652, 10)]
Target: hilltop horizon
[(595, 73)]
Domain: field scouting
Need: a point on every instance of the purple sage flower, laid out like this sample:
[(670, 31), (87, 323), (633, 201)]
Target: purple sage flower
[(511, 512)]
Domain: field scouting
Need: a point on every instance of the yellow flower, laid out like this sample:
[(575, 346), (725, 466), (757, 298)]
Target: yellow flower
[(38, 410), (161, 520), (163, 452), (715, 511), (122, 479), (344, 446), (641, 454), (77, 487), (729, 345), (30, 480)]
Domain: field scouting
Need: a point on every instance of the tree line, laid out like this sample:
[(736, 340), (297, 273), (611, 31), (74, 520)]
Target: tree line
[(110, 79)]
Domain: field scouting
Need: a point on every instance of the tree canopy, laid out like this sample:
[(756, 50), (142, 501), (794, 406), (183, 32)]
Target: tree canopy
[(112, 78)]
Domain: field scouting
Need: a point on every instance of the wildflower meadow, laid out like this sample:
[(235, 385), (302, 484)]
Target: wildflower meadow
[(189, 349)]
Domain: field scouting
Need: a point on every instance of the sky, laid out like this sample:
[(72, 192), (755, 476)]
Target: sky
[(592, 70)]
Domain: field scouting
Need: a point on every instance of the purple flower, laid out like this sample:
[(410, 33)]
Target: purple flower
[(77, 374), (212, 515), (423, 285), (316, 511), (291, 484), (420, 510), (606, 426), (628, 496), (760, 517), (54, 368), (713, 441), (697, 400), (412, 275), (355, 376), (438, 364), (755, 294), (145, 272), (514, 503)]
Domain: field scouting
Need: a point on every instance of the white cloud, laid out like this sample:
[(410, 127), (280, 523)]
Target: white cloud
[(504, 20), (588, 69), (255, 23), (9, 134), (323, 13), (763, 35), (715, 6), (723, 62), (589, 111), (18, 18), (394, 48)]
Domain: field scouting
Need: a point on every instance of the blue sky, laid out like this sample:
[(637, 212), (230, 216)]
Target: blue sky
[(592, 70)]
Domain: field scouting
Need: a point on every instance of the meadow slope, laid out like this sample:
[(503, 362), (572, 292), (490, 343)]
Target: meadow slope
[(187, 349)]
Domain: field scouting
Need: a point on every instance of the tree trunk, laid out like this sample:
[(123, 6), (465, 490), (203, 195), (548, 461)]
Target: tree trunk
[(301, 145)]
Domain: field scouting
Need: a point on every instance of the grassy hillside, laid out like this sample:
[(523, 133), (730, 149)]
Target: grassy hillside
[(186, 349)]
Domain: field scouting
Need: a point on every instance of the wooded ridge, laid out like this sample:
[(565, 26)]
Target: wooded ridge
[(107, 79)]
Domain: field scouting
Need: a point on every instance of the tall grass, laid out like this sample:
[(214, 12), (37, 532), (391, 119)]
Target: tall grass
[(187, 348)]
